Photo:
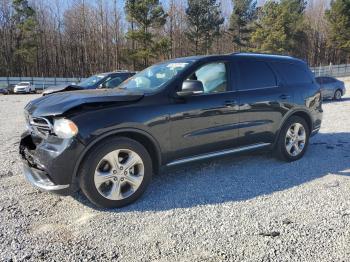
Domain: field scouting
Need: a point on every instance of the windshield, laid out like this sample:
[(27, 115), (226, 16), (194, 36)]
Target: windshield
[(154, 77), (23, 84), (92, 80)]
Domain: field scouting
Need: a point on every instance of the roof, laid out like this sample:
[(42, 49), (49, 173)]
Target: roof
[(269, 57), (266, 56), (116, 72)]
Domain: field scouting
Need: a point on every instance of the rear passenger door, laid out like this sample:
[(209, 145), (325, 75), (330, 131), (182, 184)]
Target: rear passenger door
[(263, 100)]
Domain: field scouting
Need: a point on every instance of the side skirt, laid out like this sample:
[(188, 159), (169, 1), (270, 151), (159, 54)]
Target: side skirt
[(218, 153)]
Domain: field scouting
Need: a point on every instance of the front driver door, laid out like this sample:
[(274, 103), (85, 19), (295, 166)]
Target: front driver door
[(205, 122)]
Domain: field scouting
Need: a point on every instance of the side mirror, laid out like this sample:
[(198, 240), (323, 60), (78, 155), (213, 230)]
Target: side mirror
[(191, 87)]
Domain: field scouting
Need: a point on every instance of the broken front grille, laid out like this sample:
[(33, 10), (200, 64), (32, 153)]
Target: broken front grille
[(39, 125)]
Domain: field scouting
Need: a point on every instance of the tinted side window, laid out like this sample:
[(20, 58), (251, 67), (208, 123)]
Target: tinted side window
[(114, 82), (213, 77), (293, 74), (255, 75), (319, 80), (330, 80)]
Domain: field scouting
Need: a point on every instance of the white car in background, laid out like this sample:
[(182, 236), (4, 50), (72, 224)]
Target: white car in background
[(24, 87)]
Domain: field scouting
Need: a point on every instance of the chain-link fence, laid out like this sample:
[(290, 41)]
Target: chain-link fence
[(332, 70), (38, 82)]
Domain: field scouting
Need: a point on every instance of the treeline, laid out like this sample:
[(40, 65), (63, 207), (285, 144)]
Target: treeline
[(80, 37)]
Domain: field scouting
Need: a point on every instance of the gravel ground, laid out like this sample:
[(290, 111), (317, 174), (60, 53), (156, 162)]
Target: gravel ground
[(251, 208)]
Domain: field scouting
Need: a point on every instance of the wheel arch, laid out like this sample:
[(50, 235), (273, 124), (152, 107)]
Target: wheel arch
[(338, 89), (144, 138), (301, 113)]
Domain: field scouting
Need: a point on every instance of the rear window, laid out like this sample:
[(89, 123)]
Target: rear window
[(293, 74), (255, 75), (24, 84)]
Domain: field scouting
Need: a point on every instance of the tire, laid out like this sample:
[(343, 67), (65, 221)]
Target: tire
[(283, 149), (337, 95), (129, 183)]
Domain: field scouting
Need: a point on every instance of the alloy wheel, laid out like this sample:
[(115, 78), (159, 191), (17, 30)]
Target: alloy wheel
[(337, 95), (295, 139), (119, 174)]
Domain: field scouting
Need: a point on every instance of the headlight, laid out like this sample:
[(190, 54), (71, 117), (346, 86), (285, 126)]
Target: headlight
[(64, 128)]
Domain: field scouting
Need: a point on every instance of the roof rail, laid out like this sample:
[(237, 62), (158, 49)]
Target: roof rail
[(122, 70), (260, 53)]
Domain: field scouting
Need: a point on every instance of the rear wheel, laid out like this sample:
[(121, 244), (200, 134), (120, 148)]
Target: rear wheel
[(293, 139), (337, 95), (116, 173)]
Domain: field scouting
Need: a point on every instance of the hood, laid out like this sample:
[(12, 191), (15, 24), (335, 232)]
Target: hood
[(61, 88), (57, 104)]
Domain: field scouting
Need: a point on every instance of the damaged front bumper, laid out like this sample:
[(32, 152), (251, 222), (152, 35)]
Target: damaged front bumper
[(49, 164), (40, 179)]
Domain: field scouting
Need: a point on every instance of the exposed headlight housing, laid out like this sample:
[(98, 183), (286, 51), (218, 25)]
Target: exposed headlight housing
[(64, 128)]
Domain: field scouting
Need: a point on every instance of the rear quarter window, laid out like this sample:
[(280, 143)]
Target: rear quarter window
[(293, 74), (330, 80)]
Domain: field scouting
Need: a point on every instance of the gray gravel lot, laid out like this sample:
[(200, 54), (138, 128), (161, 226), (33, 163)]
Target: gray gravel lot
[(251, 208)]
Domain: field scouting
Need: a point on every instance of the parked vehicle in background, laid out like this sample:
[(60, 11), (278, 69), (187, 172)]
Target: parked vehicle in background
[(99, 81), (331, 88), (111, 142), (4, 91), (24, 88)]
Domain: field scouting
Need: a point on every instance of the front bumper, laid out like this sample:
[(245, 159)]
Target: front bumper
[(315, 131), (20, 91), (49, 164), (41, 180)]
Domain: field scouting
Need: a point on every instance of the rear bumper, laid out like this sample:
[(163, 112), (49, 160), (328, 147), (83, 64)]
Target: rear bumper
[(343, 90)]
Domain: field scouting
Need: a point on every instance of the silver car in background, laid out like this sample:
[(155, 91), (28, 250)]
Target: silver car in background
[(24, 88), (331, 88)]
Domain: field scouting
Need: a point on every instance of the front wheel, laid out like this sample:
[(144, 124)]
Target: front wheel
[(293, 139), (115, 173)]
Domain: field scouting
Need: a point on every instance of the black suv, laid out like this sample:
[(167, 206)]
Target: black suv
[(110, 142)]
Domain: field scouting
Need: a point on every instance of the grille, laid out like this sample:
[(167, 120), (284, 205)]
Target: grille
[(39, 125)]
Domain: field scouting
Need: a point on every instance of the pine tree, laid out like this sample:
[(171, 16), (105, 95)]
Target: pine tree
[(26, 33), (338, 17), (204, 20), (242, 17), (280, 28), (145, 16)]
